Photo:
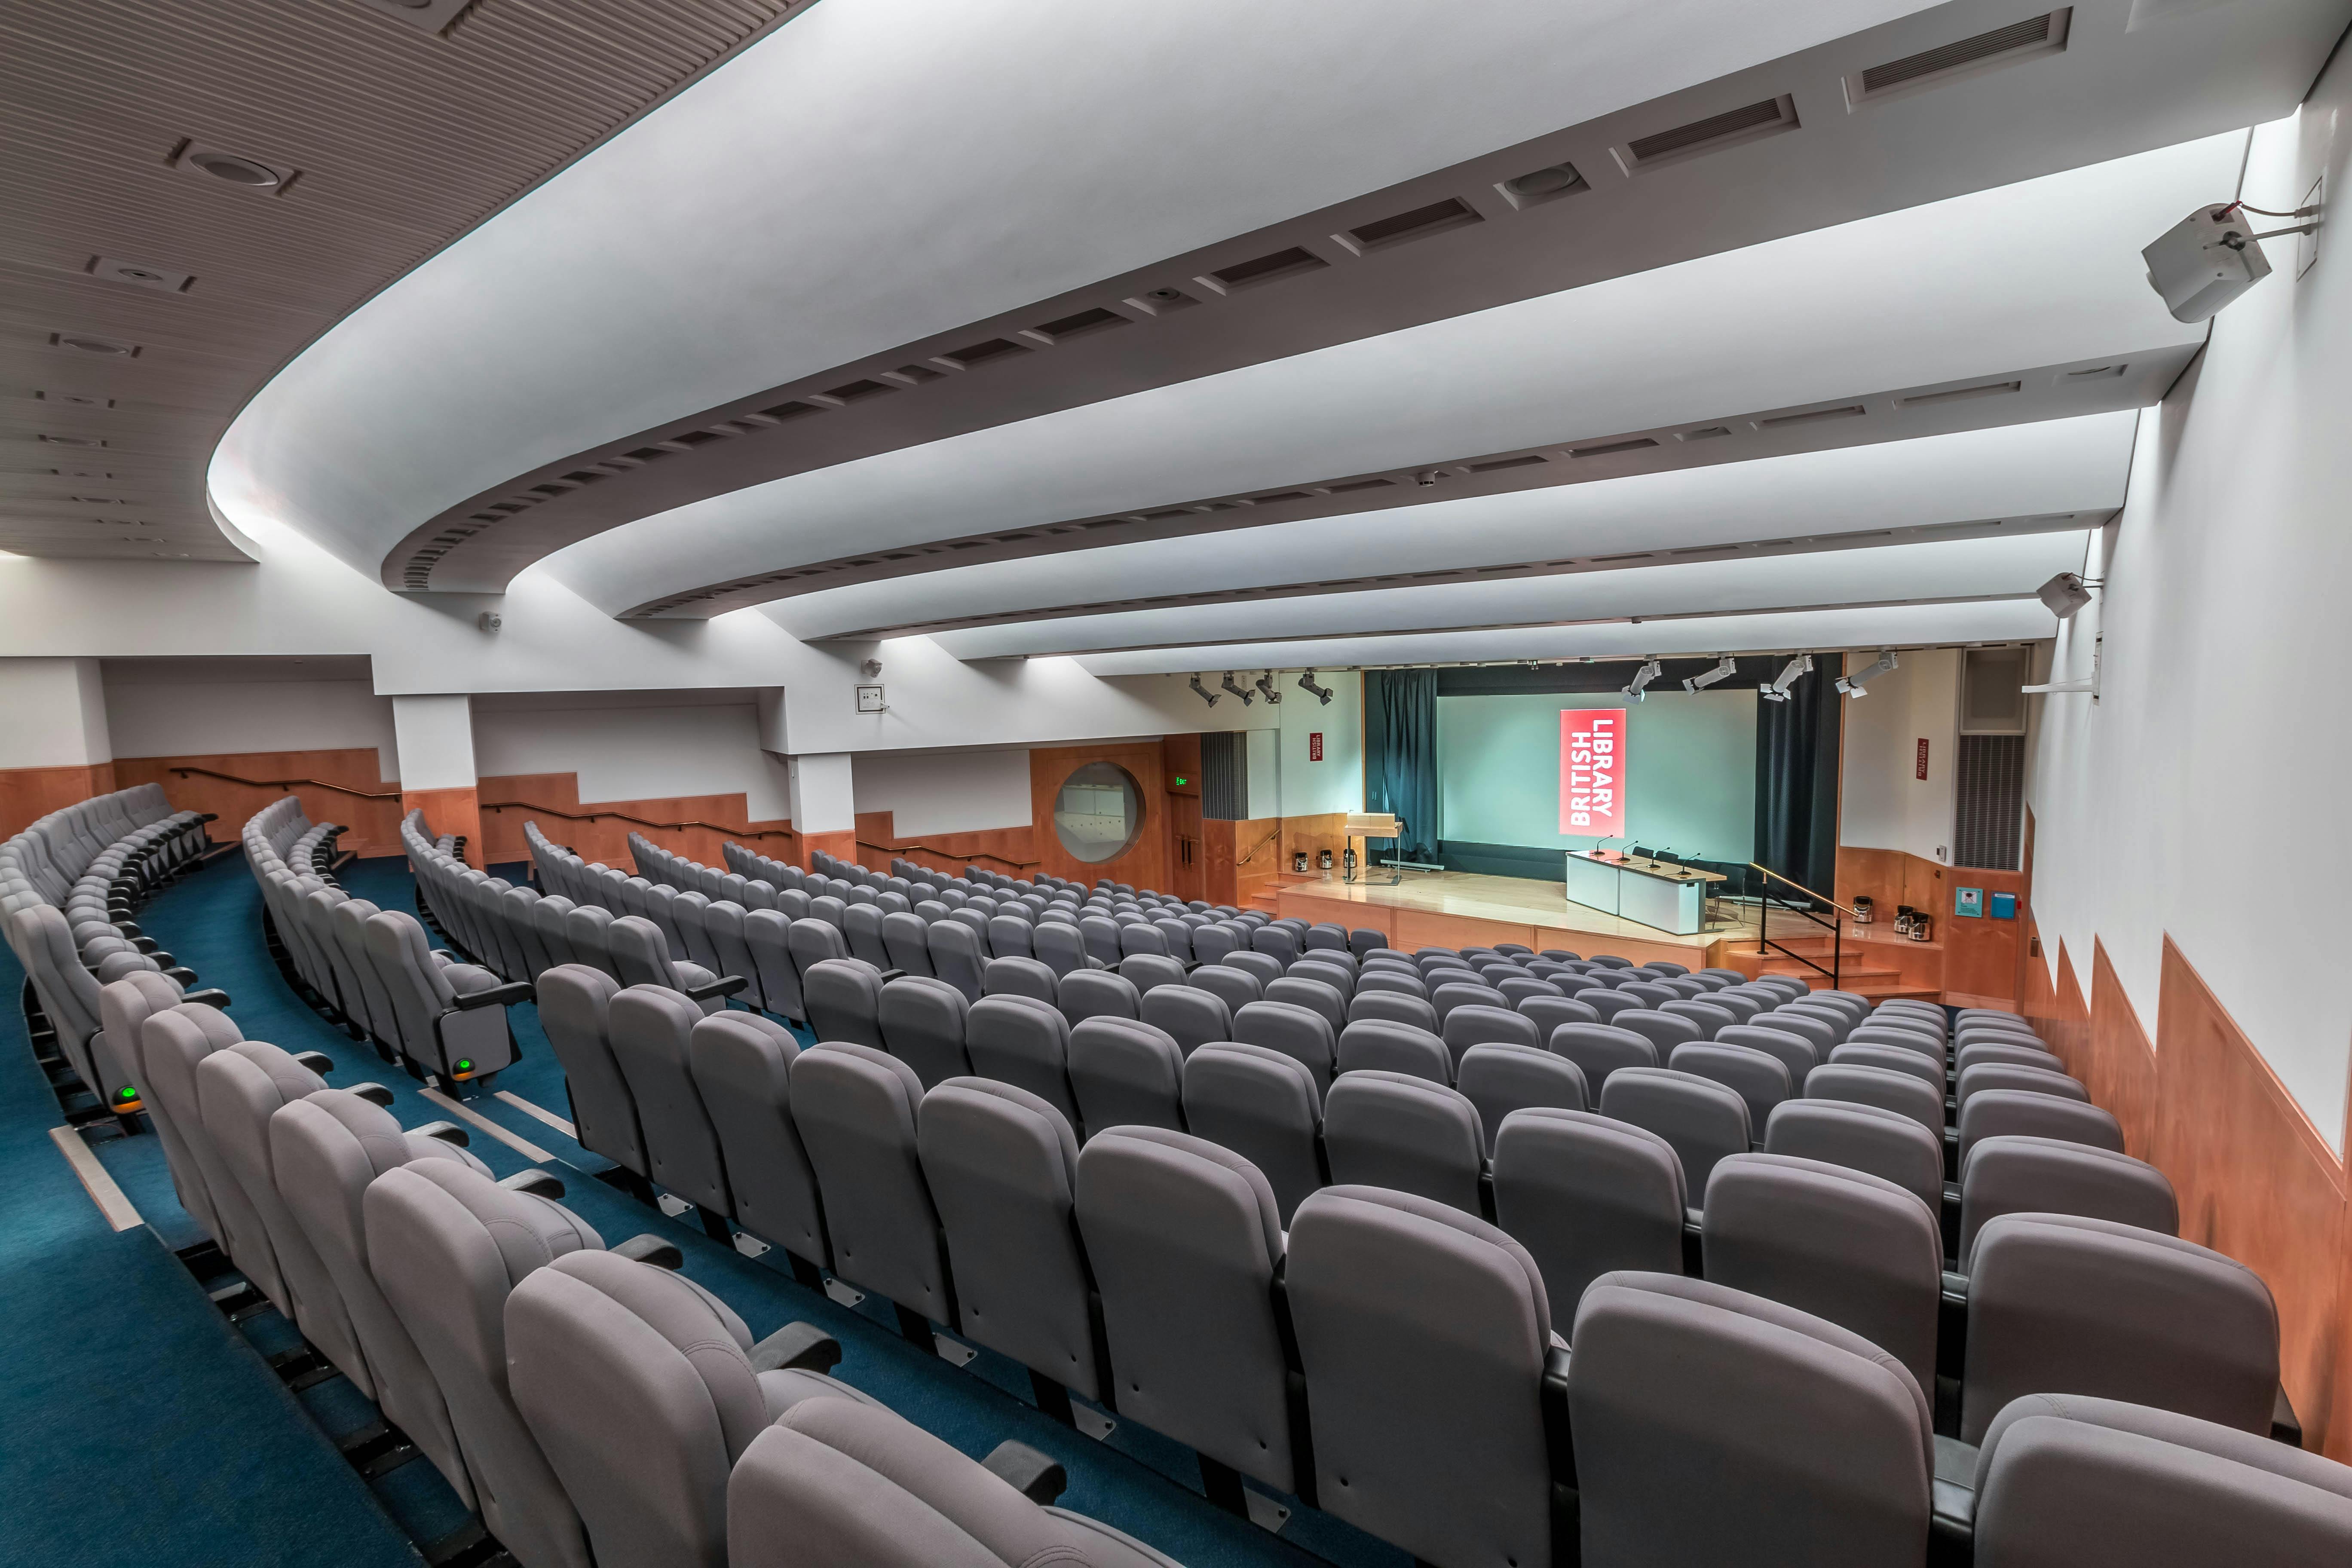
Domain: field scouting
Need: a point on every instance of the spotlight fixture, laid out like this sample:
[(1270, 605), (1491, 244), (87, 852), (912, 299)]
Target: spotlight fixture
[(1778, 691), (2067, 593), (1265, 684), (1237, 689), (1852, 685), (1650, 670), (1726, 667), (234, 168), (1321, 693), (1206, 695)]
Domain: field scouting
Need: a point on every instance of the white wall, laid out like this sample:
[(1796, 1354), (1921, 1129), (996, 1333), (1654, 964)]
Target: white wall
[(1337, 782), (655, 747), (2203, 796), (159, 716), (1884, 803), (945, 792), (1263, 748), (52, 713)]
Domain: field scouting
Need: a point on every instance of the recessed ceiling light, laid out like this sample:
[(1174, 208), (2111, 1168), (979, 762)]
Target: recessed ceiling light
[(73, 441), (234, 167), (78, 399), (91, 343), (163, 279)]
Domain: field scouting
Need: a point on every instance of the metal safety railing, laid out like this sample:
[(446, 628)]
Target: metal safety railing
[(1835, 924)]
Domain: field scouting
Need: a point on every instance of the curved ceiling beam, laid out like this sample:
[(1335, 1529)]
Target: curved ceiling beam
[(1924, 298)]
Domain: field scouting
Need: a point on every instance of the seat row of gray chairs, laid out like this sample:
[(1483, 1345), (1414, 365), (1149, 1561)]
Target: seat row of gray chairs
[(374, 971)]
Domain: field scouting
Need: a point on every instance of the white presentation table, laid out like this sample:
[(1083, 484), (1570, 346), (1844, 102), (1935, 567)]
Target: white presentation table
[(1654, 892)]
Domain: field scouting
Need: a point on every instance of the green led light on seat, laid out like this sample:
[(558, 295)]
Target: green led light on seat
[(465, 1066)]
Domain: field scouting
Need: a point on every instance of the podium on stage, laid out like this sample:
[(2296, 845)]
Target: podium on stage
[(1655, 893), (1370, 825)]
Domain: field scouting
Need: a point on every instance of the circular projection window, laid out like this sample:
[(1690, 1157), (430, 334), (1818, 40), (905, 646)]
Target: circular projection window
[(1099, 812)]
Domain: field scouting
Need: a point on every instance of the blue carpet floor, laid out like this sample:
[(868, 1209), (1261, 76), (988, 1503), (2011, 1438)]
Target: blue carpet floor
[(136, 1414)]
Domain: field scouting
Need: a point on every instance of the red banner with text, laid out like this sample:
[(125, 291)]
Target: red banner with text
[(1592, 772)]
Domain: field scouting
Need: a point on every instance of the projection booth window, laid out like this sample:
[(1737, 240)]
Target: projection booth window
[(1099, 812)]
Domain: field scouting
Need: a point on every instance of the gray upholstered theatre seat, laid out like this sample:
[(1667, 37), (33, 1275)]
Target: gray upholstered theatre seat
[(1378, 1045), (1433, 1441), (1265, 1105), (921, 1022), (1187, 1014), (574, 1003), (1983, 1051), (436, 1032), (1392, 1007), (1835, 1242), (1185, 1238), (1448, 994), (1264, 966), (1389, 976), (1501, 1078), (1756, 1076), (649, 1027), (1705, 1121), (2096, 1483), (1984, 1076), (837, 1482), (2002, 1113), (170, 1045), (1897, 1091), (639, 955), (1148, 970), (1395, 1131), (812, 941), (741, 1064), (640, 1388), (1883, 1143), (1298, 1032), (1027, 977), (1600, 1049), (2045, 1175), (1796, 1053), (447, 1245), (1587, 1196), (2065, 1304), (325, 1149), (1824, 1036), (855, 1109), (238, 1088), (861, 924), (1894, 1058), (1928, 1043), (1086, 994), (1715, 1427), (1024, 1041), (844, 998), (1126, 1072), (1475, 1024), (1003, 1167)]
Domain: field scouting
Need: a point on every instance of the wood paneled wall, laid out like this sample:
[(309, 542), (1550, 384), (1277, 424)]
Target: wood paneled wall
[(27, 795), (1145, 863), (1003, 849), (606, 838), (2255, 1177), (1982, 958), (373, 826)]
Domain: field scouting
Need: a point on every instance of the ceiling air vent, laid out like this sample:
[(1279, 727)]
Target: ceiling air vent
[(696, 438), (1959, 394), (2096, 372), (1810, 417), (982, 352), (1605, 447), (1282, 264), (1706, 433), (1354, 485), (1634, 555), (1085, 321), (783, 410), (1767, 117), (1499, 463), (854, 391), (1418, 223), (1279, 496), (916, 374), (2043, 34)]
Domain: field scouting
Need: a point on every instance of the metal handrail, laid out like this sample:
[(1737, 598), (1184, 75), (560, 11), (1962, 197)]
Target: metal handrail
[(640, 820), (287, 783), (903, 849), (1836, 927)]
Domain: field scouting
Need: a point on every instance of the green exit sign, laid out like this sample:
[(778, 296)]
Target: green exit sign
[(1182, 783)]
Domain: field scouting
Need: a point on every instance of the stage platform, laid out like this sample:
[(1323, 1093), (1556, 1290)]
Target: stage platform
[(1457, 908)]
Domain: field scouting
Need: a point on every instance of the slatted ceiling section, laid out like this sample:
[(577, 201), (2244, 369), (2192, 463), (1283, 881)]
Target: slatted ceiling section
[(402, 140)]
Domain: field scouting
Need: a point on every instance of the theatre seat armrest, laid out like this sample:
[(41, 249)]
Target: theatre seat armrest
[(802, 1345), (505, 995), (725, 986), (538, 1183), (317, 1061), (128, 929), (2285, 1425), (652, 1249), (1557, 1437), (204, 816), (179, 971), (211, 996), (447, 1132), (1031, 1474), (373, 1093)]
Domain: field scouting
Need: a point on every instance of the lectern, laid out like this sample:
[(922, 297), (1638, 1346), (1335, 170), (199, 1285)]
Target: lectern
[(1369, 825)]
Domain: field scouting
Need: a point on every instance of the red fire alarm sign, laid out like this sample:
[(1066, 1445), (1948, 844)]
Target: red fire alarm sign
[(1315, 745)]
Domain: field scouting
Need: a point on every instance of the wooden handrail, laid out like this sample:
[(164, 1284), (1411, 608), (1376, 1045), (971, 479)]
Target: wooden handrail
[(1801, 887), (903, 849), (640, 820), (287, 784), (1261, 844)]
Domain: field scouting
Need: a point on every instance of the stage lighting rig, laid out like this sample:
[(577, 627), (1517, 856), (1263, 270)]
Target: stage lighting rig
[(1852, 685), (1778, 691), (1265, 684), (1321, 693), (1237, 689), (1650, 670), (1726, 667), (1206, 695)]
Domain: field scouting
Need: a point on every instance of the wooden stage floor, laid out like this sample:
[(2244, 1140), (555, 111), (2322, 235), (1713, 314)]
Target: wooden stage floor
[(1458, 909)]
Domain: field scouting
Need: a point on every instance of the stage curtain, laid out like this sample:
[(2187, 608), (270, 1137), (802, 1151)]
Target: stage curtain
[(1401, 755), (1797, 779)]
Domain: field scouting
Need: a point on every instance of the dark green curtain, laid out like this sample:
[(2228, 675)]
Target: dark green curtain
[(1797, 779), (1401, 755)]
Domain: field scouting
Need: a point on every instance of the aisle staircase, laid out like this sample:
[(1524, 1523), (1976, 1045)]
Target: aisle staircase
[(1862, 972)]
